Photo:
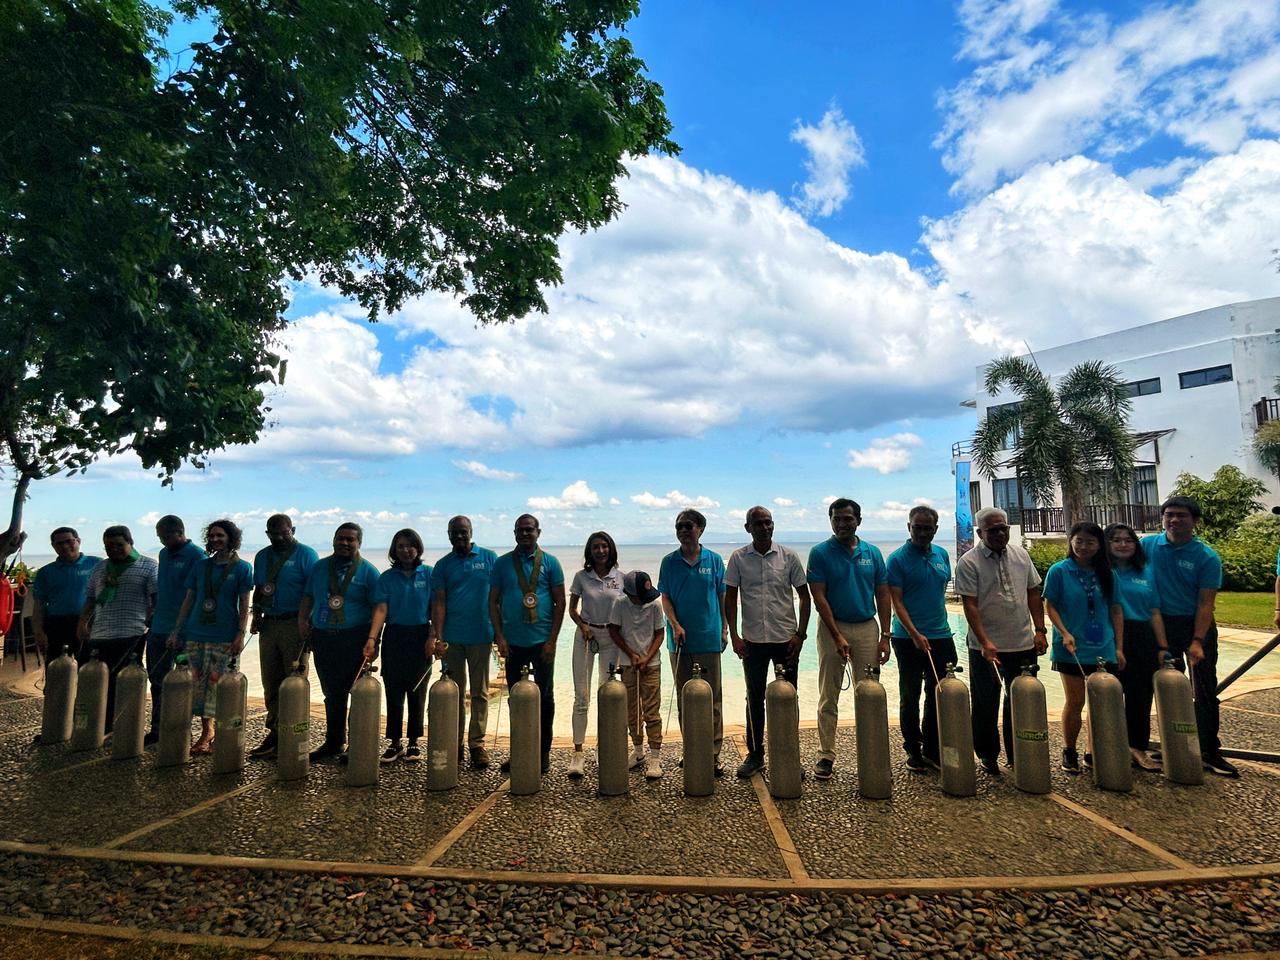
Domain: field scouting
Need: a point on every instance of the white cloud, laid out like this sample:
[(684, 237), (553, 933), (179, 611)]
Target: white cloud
[(476, 468), (834, 150), (575, 496), (614, 502), (783, 502), (897, 510), (673, 499), (886, 454), (1149, 179)]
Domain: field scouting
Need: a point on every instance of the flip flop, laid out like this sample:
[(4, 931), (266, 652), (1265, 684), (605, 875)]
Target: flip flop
[(201, 749)]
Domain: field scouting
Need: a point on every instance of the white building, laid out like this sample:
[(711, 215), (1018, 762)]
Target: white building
[(1201, 385)]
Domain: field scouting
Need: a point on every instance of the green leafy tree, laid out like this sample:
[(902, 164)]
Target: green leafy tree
[(1266, 445), (1225, 499), (1065, 438), (149, 215)]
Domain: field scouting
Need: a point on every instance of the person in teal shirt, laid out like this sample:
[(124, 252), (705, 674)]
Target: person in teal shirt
[(526, 607), (60, 589), (334, 617), (691, 583), (464, 632), (214, 620), (1088, 625), (402, 601), (178, 556), (917, 574)]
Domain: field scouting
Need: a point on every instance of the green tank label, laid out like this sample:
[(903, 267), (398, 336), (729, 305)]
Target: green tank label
[(1033, 736), (301, 726), (1183, 727)]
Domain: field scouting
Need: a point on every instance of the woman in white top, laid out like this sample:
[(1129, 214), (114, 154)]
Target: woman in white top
[(591, 597)]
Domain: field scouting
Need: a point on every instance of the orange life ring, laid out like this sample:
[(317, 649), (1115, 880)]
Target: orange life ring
[(6, 604)]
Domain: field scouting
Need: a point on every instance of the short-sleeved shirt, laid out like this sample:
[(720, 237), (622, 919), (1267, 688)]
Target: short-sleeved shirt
[(1068, 588), (695, 590), (61, 586), (407, 596), (291, 578), (1137, 592), (850, 578), (598, 593), (1278, 563), (922, 577), (517, 631), (357, 598), (463, 581), (171, 584), (125, 614), (228, 584), (1182, 572), (1000, 583), (637, 622), (766, 585)]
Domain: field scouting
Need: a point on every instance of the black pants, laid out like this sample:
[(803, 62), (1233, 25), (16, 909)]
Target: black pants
[(405, 662), (1179, 631), (755, 665), (543, 676), (914, 672), (984, 691), (1141, 661), (115, 653), (338, 654), (61, 631)]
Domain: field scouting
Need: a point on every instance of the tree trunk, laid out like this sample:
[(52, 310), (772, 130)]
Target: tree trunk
[(12, 539), (1073, 506)]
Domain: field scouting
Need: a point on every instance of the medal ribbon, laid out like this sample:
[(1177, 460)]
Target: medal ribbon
[(209, 614), (338, 614), (111, 579), (277, 564), (529, 584)]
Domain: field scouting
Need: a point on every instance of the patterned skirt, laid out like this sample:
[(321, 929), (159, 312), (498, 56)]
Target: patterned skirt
[(209, 661)]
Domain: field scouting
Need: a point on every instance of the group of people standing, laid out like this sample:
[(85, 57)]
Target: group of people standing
[(1114, 603)]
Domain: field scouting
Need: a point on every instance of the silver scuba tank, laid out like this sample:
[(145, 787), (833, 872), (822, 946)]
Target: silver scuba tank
[(611, 735), (90, 722), (526, 735), (782, 723), (129, 728), (1112, 763), (697, 706), (871, 730), (58, 712), (293, 724), (363, 737), (176, 695), (1030, 733), (1176, 720), (955, 736), (443, 704), (228, 720)]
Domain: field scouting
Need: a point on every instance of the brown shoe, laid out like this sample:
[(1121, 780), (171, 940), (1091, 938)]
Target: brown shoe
[(479, 758)]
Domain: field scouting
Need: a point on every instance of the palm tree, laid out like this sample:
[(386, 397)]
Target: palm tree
[(1067, 438)]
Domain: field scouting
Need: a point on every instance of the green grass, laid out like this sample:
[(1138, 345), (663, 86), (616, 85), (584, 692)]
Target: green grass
[(1255, 610)]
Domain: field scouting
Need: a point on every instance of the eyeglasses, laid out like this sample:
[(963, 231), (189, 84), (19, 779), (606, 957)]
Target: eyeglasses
[(686, 525), (998, 528)]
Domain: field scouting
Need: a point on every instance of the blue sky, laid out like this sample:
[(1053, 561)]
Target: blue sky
[(872, 199)]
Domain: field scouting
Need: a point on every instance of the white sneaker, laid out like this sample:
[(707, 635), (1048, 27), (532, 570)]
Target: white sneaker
[(578, 765), (653, 769), (637, 757)]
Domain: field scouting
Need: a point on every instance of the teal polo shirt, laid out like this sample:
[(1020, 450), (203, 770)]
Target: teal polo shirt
[(1067, 587), (850, 578), (514, 628), (462, 581), (922, 577), (1137, 591), (407, 595), (695, 590), (1182, 572), (171, 585), (238, 580), (358, 595), (61, 587), (291, 581)]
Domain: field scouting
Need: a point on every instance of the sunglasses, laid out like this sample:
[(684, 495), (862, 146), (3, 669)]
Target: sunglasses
[(685, 526)]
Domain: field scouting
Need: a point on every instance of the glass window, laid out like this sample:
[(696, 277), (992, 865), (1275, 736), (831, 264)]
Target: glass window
[(1013, 436), (1200, 378), (1143, 489), (975, 496), (1144, 388), (1005, 496)]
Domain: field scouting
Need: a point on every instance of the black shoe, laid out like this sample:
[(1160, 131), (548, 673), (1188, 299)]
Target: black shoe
[(264, 749), (718, 770), (392, 753), (1088, 761), (505, 766), (344, 758), (990, 764), (462, 754), (479, 758), (412, 754), (750, 766), (933, 762), (546, 764), (916, 762), (1155, 755), (1070, 760), (1217, 763), (325, 751), (151, 739), (822, 769)]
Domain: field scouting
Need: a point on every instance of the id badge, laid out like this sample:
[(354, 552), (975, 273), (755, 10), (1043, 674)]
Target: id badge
[(323, 615), (1093, 633)]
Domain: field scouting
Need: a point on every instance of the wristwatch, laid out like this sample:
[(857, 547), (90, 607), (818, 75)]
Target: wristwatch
[(1042, 630)]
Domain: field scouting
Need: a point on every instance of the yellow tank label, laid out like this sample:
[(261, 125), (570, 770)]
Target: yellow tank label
[(1033, 736), (1184, 727)]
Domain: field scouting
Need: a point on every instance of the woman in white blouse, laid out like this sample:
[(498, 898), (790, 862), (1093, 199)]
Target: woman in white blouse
[(591, 597)]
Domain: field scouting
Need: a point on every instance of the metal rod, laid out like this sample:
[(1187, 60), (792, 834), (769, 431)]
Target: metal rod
[(1248, 664)]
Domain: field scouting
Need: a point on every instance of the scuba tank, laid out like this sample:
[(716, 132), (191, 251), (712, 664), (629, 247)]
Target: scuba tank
[(955, 736), (611, 735), (698, 731), (1112, 763), (1030, 733), (363, 738), (176, 695), (57, 717), (130, 725), (871, 729), (228, 725), (443, 704), (782, 721), (293, 723), (1176, 719), (88, 730), (526, 735)]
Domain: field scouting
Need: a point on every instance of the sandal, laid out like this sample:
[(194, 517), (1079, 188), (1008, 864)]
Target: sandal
[(202, 748)]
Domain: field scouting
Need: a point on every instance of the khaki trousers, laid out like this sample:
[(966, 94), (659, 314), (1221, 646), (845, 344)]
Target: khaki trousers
[(864, 641), (471, 661), (644, 703), (278, 649)]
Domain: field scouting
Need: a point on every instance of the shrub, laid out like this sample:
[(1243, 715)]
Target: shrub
[(1045, 552), (1249, 554)]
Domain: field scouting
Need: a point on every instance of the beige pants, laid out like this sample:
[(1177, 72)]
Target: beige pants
[(278, 647), (644, 703), (864, 642)]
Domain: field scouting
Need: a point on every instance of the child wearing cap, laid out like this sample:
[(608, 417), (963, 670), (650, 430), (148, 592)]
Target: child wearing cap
[(636, 628)]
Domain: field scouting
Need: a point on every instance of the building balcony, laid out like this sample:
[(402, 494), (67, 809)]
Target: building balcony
[(1143, 517), (961, 449), (1266, 409)]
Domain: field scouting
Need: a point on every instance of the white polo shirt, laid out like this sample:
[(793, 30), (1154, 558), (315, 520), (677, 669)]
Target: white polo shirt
[(597, 593), (766, 591)]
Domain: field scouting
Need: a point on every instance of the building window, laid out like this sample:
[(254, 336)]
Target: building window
[(975, 496), (1143, 489), (1013, 436), (1006, 496), (1200, 378), (1144, 388)]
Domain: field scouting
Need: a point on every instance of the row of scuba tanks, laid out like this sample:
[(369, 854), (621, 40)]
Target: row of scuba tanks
[(75, 706)]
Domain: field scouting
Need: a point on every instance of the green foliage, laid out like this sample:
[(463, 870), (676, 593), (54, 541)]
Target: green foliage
[(1225, 500), (1266, 444), (1249, 554), (1045, 552)]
